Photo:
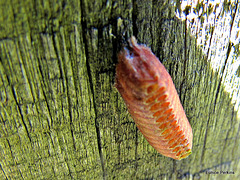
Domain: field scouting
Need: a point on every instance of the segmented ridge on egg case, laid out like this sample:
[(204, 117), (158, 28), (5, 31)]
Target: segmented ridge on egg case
[(152, 100)]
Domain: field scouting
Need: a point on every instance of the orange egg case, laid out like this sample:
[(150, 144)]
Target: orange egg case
[(152, 100)]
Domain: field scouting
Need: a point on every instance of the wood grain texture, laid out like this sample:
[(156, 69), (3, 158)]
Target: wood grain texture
[(62, 118)]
